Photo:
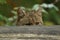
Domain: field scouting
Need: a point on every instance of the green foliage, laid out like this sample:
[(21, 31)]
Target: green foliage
[(54, 16), (3, 20), (8, 15), (2, 1)]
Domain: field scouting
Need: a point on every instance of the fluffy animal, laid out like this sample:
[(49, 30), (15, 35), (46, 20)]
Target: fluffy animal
[(30, 17)]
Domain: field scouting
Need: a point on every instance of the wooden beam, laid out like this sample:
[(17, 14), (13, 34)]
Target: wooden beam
[(30, 33), (53, 30)]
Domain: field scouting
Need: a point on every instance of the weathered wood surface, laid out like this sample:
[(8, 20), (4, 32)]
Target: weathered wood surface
[(30, 32), (53, 30)]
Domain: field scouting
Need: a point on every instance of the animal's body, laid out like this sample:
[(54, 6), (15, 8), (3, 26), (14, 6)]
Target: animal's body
[(29, 18)]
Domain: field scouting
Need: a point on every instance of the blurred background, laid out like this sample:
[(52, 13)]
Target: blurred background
[(51, 10)]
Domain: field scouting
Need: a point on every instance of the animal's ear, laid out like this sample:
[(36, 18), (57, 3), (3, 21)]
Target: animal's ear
[(39, 9), (20, 12)]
